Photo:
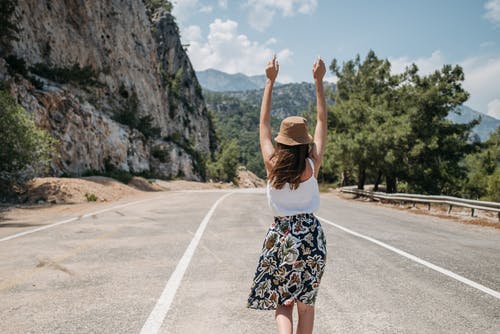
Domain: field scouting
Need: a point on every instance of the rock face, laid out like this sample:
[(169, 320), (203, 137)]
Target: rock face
[(140, 67)]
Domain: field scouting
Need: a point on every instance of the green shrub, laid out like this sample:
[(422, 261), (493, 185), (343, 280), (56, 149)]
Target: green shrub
[(91, 197), (122, 90), (164, 73), (176, 83), (115, 173), (198, 90), (121, 175), (111, 171), (25, 150), (224, 167), (145, 125), (174, 137), (483, 177), (16, 65), (325, 187), (128, 115), (493, 187), (160, 154), (155, 4), (85, 76)]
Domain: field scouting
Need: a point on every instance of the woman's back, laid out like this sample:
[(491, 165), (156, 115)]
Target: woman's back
[(288, 202)]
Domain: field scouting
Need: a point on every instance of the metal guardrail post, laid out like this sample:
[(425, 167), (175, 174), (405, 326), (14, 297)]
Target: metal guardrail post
[(428, 199)]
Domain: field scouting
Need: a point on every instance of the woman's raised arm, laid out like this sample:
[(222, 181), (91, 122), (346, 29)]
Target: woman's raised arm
[(320, 133), (266, 144)]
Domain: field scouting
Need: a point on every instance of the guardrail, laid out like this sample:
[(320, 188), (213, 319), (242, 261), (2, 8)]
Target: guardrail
[(428, 199)]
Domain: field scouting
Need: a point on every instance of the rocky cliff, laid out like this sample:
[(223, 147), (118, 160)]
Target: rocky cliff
[(111, 81)]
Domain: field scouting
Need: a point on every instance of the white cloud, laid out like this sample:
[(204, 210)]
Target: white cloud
[(271, 41), (482, 77), (494, 108), (493, 11), (262, 12), (185, 8), (330, 78), (206, 9), (227, 50), (260, 17), (425, 65), (222, 4), (482, 81), (284, 54), (307, 7), (191, 33)]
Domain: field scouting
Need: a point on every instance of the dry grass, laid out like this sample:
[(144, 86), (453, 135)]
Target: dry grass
[(76, 190)]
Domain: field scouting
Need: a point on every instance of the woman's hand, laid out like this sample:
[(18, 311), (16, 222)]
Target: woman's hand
[(319, 70), (272, 69)]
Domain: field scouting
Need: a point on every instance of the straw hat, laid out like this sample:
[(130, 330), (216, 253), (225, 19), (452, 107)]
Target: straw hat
[(293, 131)]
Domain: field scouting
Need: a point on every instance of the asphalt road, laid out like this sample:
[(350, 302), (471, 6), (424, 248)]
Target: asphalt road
[(178, 263)]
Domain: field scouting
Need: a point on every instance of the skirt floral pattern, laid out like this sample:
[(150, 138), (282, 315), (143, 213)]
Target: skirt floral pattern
[(291, 264)]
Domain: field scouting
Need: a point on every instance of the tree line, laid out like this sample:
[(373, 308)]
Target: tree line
[(392, 128)]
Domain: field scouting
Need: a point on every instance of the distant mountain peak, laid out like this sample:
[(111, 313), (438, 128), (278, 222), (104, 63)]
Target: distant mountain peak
[(219, 81), (465, 114)]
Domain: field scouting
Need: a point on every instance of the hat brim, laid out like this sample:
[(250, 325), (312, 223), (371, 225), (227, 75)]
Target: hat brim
[(292, 142)]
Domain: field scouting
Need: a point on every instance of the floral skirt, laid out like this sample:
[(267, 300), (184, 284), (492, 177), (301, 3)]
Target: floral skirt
[(291, 263)]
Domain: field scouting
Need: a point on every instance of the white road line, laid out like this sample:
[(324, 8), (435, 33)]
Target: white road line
[(20, 234), (155, 319), (239, 191), (432, 266)]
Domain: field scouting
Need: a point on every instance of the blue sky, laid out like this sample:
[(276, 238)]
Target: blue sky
[(240, 36)]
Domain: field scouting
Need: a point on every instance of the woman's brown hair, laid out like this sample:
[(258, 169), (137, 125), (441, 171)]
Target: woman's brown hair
[(289, 164)]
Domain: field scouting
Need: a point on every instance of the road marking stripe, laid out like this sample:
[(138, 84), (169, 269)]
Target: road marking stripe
[(17, 235), (446, 272), (20, 234), (239, 191), (155, 319)]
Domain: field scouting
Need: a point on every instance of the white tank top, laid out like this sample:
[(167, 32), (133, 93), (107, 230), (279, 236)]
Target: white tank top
[(288, 202)]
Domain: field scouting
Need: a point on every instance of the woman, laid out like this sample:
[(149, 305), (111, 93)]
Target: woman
[(294, 252)]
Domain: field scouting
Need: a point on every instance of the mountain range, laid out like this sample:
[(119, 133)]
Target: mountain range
[(296, 98), (218, 81), (465, 114)]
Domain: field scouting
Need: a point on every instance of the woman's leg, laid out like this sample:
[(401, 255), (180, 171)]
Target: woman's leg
[(306, 318), (284, 319)]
